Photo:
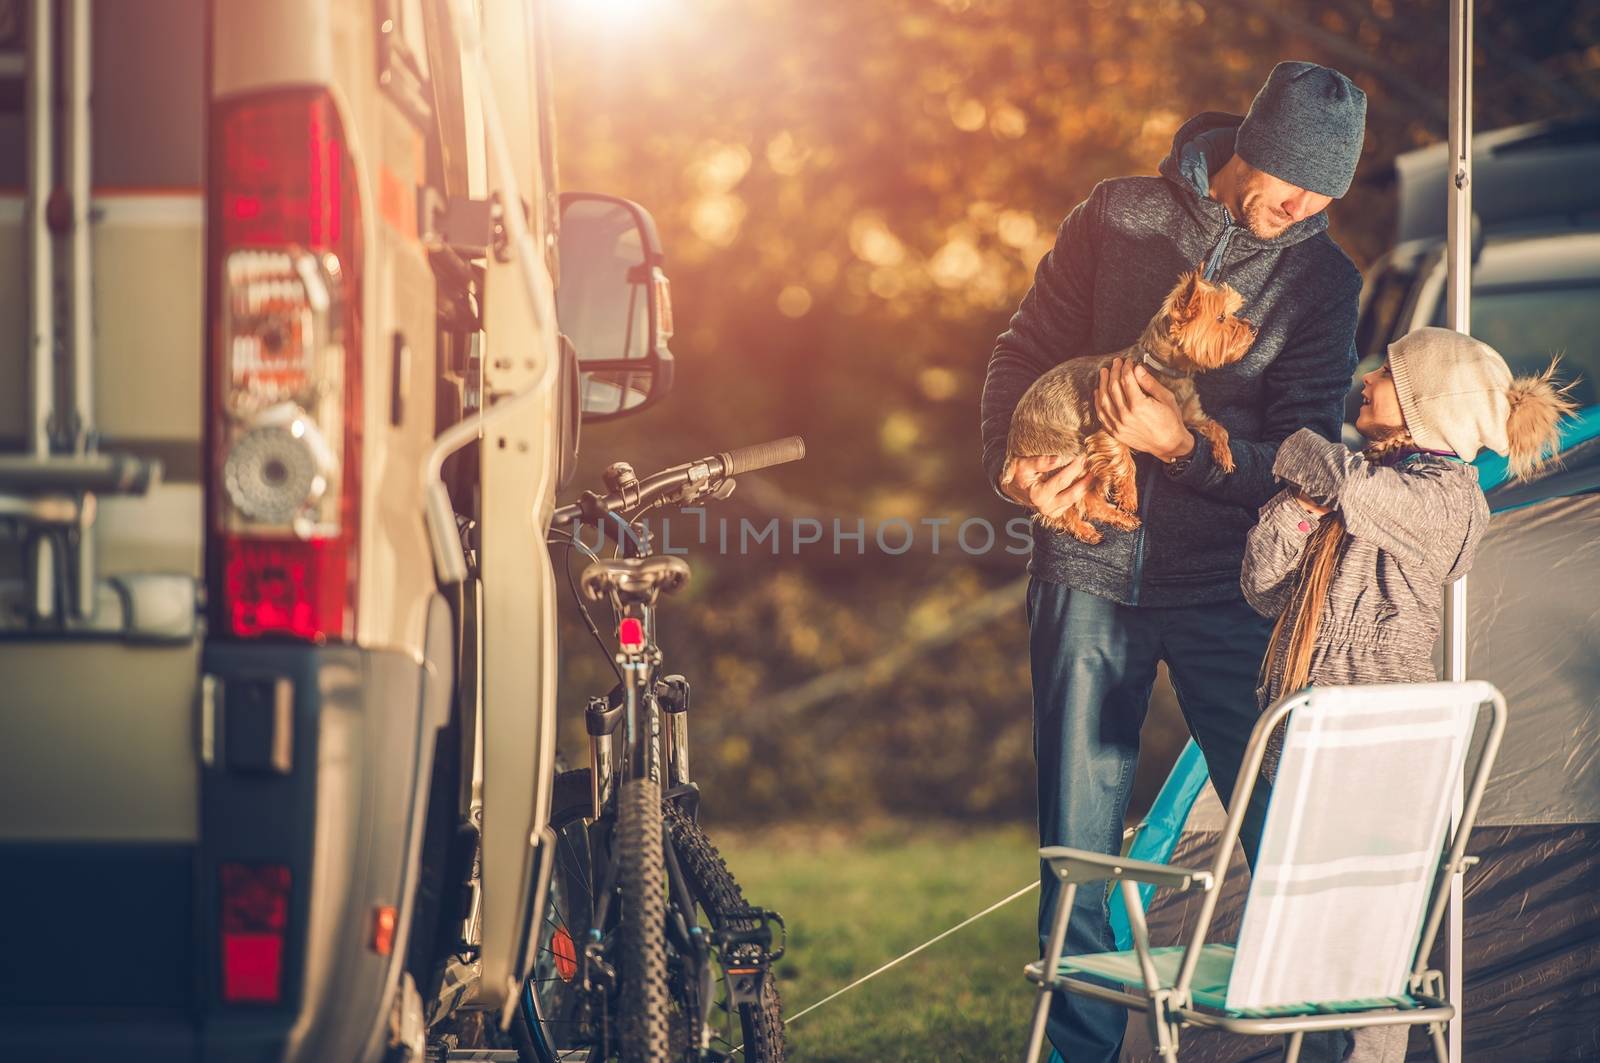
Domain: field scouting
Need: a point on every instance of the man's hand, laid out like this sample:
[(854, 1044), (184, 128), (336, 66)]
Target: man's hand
[(1048, 483), (1140, 412)]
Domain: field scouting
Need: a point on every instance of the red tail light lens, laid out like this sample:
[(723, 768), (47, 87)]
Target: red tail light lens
[(282, 586), (283, 165), (284, 370), (254, 919)]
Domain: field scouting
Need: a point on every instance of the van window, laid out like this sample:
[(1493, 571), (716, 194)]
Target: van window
[(1529, 323), (1375, 331)]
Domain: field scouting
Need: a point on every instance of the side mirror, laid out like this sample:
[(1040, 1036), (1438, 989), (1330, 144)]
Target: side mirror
[(615, 304)]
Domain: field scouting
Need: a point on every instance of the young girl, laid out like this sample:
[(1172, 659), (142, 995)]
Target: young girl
[(1354, 555)]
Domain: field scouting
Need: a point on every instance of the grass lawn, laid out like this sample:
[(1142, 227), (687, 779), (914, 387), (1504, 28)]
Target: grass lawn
[(856, 899)]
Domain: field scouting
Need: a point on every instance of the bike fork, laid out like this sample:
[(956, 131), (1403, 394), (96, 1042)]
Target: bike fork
[(672, 694)]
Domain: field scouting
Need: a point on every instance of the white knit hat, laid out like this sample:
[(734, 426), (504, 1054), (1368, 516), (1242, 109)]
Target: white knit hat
[(1454, 391)]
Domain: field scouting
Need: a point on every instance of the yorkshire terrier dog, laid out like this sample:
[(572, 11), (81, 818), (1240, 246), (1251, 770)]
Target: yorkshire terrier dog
[(1196, 330)]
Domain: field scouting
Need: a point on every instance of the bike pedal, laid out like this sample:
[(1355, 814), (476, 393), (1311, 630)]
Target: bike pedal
[(759, 933)]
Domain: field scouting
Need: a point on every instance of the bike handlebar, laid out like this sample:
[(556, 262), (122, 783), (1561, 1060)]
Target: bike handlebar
[(763, 455), (702, 475)]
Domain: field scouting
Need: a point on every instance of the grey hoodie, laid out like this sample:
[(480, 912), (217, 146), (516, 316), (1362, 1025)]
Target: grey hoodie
[(1414, 527), (1116, 256)]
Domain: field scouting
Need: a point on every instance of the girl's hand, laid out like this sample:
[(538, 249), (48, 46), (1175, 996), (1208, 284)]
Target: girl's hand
[(1310, 506)]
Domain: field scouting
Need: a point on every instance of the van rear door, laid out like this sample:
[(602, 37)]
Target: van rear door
[(98, 773)]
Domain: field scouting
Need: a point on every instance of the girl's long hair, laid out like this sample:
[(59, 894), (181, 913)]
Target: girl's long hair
[(1317, 566)]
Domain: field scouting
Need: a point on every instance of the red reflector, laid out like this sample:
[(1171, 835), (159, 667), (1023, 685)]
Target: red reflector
[(252, 968), (566, 955), (630, 633), (383, 920), (254, 916), (285, 587)]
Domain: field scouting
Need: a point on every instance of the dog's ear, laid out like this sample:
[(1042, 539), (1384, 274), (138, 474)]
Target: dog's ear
[(1183, 300)]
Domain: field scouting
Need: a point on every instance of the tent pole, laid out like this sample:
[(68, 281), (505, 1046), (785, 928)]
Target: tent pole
[(1458, 316)]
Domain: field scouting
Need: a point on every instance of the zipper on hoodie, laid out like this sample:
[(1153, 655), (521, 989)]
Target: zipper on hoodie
[(1212, 268)]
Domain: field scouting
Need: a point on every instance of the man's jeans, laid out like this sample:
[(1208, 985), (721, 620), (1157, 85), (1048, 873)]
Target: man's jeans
[(1094, 663)]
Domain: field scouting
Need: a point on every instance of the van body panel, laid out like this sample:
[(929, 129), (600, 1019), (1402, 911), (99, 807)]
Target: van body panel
[(256, 45), (148, 332), (399, 379), (99, 743)]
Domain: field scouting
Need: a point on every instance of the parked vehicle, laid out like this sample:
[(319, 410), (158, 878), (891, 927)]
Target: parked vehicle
[(1536, 253), (276, 756)]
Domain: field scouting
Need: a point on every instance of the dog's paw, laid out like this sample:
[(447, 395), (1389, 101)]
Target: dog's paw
[(1086, 533), (1222, 454), (1070, 523), (1217, 436)]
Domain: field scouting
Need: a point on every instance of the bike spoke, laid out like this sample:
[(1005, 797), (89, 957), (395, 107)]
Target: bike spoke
[(557, 920), (578, 865)]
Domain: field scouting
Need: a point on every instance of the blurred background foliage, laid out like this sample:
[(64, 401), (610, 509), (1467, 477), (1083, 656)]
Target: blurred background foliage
[(853, 196)]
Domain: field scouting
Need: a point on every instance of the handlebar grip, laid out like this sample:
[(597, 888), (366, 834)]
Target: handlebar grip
[(763, 455)]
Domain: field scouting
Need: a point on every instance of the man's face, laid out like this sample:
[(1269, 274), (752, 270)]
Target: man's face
[(1270, 205)]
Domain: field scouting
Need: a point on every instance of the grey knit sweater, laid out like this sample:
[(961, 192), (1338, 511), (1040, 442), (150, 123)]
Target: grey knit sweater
[(1413, 529), (1118, 254)]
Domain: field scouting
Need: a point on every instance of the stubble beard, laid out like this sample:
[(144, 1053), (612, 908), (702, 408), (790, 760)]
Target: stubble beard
[(1264, 222)]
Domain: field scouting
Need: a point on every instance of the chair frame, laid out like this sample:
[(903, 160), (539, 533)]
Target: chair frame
[(1168, 1010)]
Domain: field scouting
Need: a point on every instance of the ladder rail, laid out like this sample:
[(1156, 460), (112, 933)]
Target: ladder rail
[(40, 62), (80, 292)]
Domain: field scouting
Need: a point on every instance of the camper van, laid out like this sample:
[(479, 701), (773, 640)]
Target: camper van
[(286, 406)]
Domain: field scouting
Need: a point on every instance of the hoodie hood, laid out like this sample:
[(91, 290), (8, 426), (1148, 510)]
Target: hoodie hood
[(1199, 148)]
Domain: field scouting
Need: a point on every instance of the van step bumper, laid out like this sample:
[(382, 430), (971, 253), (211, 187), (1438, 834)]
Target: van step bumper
[(316, 764)]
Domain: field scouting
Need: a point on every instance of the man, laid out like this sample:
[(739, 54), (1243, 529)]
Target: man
[(1246, 198)]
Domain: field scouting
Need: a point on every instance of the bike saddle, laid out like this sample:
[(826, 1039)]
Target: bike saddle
[(634, 578)]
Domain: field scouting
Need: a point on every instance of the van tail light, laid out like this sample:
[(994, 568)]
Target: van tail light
[(254, 921), (284, 369)]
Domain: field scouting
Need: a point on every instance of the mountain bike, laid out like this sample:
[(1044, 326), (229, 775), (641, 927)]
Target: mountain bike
[(648, 949)]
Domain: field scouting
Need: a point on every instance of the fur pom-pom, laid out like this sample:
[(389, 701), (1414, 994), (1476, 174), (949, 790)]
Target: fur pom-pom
[(1533, 431)]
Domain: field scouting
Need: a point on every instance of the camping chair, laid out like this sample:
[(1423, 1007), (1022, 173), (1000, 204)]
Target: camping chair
[(1339, 924)]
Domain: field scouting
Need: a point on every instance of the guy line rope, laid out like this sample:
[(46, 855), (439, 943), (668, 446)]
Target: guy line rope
[(968, 921)]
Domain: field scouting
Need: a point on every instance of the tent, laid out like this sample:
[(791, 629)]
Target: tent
[(1532, 911)]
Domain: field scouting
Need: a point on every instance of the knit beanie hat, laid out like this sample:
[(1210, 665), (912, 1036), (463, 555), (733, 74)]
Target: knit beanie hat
[(1305, 127), (1457, 394)]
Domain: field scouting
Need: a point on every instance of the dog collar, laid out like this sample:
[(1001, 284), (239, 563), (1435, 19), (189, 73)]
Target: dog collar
[(1156, 365)]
